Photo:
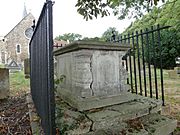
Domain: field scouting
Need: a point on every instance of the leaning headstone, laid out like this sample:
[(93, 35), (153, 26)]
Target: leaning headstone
[(177, 70), (175, 74), (27, 68), (4, 83), (13, 66), (178, 65)]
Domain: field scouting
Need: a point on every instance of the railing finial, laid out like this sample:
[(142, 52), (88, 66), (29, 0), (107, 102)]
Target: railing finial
[(113, 37)]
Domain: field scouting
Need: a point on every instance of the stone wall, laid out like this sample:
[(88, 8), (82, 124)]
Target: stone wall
[(4, 83), (92, 70), (2, 51), (17, 37)]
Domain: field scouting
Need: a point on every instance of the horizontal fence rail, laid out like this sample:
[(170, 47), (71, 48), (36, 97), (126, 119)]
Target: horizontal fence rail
[(41, 66), (144, 61)]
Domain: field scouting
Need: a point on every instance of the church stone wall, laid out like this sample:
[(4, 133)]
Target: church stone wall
[(17, 37), (2, 52), (1, 45)]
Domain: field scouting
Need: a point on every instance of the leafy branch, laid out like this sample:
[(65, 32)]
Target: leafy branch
[(120, 8)]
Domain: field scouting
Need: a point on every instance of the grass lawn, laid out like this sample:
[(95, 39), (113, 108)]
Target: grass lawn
[(18, 84), (172, 97), (1, 66)]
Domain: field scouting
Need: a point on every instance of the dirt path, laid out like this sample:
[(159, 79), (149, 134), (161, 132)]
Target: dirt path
[(14, 116)]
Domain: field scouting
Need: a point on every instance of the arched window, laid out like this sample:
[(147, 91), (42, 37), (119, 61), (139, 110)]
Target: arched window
[(18, 48)]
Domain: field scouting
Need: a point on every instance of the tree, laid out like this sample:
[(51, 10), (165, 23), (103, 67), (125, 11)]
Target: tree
[(69, 37), (107, 35), (92, 39), (167, 15), (170, 49), (121, 8)]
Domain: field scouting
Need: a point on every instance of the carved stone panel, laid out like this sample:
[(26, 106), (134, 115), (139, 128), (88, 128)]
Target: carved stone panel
[(64, 72), (82, 75), (106, 73)]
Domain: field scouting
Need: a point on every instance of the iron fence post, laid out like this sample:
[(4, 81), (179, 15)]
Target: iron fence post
[(161, 68)]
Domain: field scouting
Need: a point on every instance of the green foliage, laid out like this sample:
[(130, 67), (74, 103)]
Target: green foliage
[(1, 66), (18, 83), (69, 37), (88, 8), (167, 15), (92, 39), (107, 35), (60, 80), (170, 49), (121, 8), (59, 123)]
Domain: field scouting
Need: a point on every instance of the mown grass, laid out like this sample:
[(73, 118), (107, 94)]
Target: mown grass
[(170, 85), (18, 83), (1, 66)]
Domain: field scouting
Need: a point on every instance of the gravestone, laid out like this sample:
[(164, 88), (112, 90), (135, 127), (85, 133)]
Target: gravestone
[(175, 74), (4, 83), (178, 65), (13, 66), (92, 74), (27, 68)]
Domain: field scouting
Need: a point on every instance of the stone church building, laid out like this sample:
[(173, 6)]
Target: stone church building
[(15, 44)]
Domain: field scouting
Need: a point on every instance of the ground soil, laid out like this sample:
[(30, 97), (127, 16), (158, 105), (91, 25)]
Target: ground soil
[(14, 116), (172, 101)]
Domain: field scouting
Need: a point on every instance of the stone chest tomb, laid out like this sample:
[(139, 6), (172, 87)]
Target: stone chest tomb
[(92, 74)]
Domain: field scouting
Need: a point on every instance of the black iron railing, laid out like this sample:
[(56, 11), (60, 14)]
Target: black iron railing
[(41, 66), (144, 62)]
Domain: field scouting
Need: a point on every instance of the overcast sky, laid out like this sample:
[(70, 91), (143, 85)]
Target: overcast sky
[(66, 18)]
